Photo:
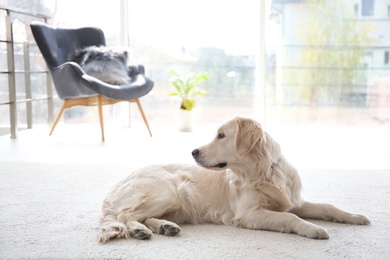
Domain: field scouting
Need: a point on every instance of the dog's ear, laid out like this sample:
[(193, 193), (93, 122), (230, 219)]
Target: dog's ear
[(272, 148), (248, 134)]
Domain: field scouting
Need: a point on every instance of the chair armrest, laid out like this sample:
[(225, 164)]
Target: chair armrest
[(71, 81), (68, 81), (138, 86), (76, 67)]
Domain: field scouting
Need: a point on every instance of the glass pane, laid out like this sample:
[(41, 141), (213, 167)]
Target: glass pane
[(212, 36), (4, 120), (326, 64), (4, 93)]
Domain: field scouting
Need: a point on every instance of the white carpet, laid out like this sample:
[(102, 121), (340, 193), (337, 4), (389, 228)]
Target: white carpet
[(51, 211)]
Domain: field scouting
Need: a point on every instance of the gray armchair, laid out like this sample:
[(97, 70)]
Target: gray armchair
[(71, 82)]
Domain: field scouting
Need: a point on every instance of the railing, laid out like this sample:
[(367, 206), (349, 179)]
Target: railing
[(13, 101)]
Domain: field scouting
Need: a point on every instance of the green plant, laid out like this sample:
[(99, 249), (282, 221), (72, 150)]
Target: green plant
[(187, 87)]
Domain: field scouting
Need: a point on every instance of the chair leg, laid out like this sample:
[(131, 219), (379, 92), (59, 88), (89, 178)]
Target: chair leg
[(143, 115), (100, 108), (64, 106)]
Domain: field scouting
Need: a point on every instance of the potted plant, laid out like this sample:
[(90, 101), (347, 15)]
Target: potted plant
[(187, 88)]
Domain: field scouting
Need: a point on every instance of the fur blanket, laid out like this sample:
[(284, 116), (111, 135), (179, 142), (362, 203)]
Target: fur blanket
[(110, 65)]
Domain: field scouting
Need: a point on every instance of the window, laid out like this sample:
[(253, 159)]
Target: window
[(324, 65), (198, 35), (315, 51), (367, 7)]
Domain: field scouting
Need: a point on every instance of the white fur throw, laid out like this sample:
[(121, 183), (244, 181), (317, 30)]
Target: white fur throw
[(107, 64)]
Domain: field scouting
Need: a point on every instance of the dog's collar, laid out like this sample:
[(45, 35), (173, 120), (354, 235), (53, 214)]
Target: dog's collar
[(275, 166)]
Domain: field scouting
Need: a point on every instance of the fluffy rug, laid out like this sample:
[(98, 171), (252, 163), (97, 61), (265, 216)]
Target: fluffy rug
[(110, 65), (51, 211)]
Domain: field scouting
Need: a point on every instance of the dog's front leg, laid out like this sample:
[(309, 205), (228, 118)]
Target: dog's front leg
[(280, 221), (328, 212)]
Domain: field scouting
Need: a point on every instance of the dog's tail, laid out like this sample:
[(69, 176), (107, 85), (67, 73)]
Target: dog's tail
[(110, 226)]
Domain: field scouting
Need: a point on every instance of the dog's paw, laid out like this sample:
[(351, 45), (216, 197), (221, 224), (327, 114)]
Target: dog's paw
[(357, 219), (141, 233), (107, 233), (169, 229), (315, 232)]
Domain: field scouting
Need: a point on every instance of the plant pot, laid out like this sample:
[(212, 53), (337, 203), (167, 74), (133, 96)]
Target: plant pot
[(185, 120)]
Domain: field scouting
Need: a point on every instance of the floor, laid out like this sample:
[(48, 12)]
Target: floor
[(309, 147), (52, 188)]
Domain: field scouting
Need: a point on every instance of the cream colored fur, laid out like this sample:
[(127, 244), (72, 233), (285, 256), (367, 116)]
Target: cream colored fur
[(243, 180)]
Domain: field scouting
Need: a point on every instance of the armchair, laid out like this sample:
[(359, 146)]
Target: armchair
[(71, 82)]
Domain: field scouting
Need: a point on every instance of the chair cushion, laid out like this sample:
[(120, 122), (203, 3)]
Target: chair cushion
[(109, 65)]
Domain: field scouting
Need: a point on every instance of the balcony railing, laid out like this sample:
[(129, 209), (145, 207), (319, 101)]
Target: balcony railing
[(15, 99)]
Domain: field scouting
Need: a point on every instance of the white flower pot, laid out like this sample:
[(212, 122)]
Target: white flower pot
[(185, 120)]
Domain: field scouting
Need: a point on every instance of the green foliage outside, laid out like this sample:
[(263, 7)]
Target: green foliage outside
[(334, 42), (187, 87)]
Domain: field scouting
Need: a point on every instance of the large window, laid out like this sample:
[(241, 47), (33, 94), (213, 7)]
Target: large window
[(324, 64)]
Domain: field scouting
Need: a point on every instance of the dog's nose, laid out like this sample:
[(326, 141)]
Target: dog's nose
[(195, 153)]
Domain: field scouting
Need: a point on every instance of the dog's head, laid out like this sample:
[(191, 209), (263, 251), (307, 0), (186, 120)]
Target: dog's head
[(240, 143)]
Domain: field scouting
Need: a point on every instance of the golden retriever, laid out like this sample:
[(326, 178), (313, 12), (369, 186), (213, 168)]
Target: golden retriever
[(243, 181)]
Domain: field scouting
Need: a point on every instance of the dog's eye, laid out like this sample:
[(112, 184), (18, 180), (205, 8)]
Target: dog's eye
[(221, 136)]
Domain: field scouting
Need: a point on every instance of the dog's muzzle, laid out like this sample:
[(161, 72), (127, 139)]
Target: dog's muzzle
[(195, 154)]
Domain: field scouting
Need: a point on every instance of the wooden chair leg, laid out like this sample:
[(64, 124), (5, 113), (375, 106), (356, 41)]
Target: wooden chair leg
[(143, 115), (100, 108), (64, 106)]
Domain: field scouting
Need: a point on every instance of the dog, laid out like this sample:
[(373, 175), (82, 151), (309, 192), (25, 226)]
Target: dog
[(242, 180)]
